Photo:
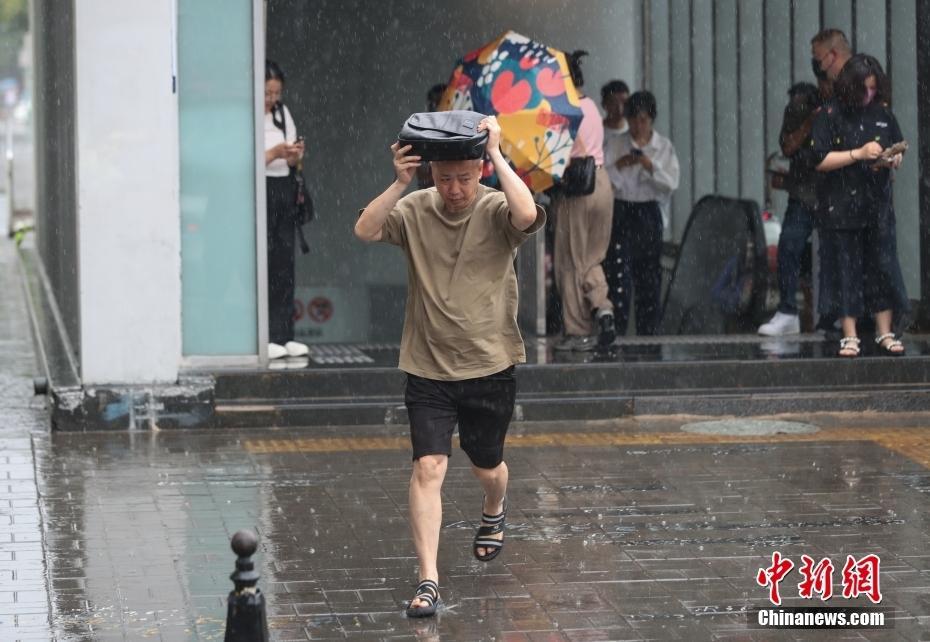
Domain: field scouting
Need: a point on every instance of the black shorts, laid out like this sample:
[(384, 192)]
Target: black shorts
[(481, 407)]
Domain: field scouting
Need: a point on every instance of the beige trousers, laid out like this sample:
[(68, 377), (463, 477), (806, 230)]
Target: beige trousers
[(582, 233)]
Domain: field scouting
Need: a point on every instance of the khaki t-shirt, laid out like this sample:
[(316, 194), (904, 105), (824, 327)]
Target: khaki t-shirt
[(461, 314)]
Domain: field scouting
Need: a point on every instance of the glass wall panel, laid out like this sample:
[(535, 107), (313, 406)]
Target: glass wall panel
[(217, 125)]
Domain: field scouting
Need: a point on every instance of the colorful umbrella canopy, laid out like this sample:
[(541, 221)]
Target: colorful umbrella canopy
[(528, 87)]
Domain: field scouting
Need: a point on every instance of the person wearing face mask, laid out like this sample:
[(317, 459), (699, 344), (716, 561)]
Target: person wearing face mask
[(830, 52), (849, 141), (798, 223)]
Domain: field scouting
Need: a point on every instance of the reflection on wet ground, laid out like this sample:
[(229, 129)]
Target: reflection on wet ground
[(620, 530), (664, 349)]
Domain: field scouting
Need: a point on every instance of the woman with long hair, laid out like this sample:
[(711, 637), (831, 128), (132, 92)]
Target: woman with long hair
[(283, 149)]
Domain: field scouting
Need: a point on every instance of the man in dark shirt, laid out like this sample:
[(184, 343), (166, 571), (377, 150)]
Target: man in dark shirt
[(798, 224), (830, 51)]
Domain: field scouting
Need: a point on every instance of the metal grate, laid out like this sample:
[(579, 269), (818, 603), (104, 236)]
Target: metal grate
[(326, 354)]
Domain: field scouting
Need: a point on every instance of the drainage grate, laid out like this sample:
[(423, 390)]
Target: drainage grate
[(328, 354), (750, 427)]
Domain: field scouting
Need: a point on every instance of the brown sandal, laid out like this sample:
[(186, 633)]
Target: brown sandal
[(849, 344)]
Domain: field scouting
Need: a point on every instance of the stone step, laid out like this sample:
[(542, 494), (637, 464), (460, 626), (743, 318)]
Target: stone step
[(617, 378), (566, 407)]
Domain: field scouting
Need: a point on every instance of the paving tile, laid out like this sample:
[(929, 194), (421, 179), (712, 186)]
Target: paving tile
[(629, 539)]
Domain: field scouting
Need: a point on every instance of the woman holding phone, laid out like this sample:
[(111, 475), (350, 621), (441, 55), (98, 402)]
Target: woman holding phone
[(643, 170), (856, 142), (283, 150)]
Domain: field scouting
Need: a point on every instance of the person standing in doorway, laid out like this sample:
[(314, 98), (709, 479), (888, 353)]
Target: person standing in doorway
[(643, 169), (830, 51), (460, 340), (851, 139), (798, 224), (582, 229), (614, 95), (283, 149)]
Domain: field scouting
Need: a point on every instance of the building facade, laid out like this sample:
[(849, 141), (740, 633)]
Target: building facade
[(150, 198)]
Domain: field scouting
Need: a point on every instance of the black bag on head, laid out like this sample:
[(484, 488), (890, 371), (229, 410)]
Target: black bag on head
[(578, 178), (444, 135)]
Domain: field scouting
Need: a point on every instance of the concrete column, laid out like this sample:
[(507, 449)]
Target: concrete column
[(126, 131)]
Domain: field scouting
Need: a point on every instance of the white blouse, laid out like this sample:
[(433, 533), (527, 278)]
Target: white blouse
[(634, 183), (274, 136), (610, 133)]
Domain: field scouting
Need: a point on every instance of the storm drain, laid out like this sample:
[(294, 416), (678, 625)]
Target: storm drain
[(750, 427), (327, 354)]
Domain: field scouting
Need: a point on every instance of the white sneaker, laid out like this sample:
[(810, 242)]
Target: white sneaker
[(781, 324), (276, 351), (296, 349), (295, 363)]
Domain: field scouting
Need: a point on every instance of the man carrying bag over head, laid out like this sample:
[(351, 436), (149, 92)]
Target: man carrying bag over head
[(460, 340)]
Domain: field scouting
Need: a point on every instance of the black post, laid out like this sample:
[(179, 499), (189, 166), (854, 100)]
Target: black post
[(245, 617)]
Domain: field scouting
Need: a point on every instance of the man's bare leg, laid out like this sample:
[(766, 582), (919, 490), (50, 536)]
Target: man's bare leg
[(426, 513), (494, 481)]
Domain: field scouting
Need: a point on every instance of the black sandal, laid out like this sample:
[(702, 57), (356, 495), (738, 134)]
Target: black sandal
[(490, 525), (427, 591), (887, 347)]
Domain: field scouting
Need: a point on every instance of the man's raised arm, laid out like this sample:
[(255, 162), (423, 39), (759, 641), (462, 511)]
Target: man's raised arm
[(371, 221), (519, 197)]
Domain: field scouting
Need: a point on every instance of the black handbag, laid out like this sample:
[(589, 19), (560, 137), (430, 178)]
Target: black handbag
[(578, 178), (304, 211), (444, 135)]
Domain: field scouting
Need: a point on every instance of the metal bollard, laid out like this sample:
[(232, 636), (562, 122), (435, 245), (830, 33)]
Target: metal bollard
[(40, 386), (246, 620)]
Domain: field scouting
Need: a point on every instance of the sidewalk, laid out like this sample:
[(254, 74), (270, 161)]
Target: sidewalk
[(618, 530), (24, 601), (627, 529)]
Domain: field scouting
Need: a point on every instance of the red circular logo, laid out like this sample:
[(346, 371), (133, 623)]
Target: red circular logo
[(320, 309)]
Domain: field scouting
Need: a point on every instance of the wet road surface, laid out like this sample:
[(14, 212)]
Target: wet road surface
[(619, 530)]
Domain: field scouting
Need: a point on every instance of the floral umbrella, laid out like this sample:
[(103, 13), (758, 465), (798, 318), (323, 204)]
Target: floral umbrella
[(528, 87)]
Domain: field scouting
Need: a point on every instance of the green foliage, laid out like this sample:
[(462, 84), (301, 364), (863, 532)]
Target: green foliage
[(14, 21), (14, 12), (21, 233)]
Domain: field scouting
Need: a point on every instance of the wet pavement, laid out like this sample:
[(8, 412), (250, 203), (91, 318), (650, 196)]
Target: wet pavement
[(617, 530), (634, 529), (24, 602)]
